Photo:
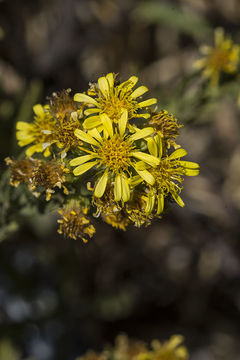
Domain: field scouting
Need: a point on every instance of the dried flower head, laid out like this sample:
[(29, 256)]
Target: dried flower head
[(106, 97), (48, 175), (68, 116), (21, 170), (62, 104), (166, 126), (221, 58), (74, 223)]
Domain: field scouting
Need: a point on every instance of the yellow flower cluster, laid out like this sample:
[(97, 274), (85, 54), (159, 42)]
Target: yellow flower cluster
[(222, 58), (122, 157), (126, 349)]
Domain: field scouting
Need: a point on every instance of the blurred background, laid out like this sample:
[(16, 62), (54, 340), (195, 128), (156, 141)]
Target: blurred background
[(181, 275)]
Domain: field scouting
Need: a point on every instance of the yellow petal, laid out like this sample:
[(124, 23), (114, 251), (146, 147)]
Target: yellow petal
[(160, 204), (101, 185), (175, 340), (83, 168), (91, 111), (147, 158), (38, 110), (110, 79), (141, 165), (122, 123), (145, 116), (145, 175), (178, 153), (191, 172), (178, 199), (159, 143), (189, 164), (152, 146), (80, 160), (22, 125), (125, 188), (117, 188), (150, 203), (135, 180), (32, 149), (95, 133), (148, 102), (85, 137), (47, 152), (130, 83), (26, 141), (191, 168), (105, 133), (107, 123), (22, 135), (92, 122), (139, 91), (85, 99), (141, 134), (133, 80), (103, 85)]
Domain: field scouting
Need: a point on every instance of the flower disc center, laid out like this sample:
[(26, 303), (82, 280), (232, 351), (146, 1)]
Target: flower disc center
[(115, 153)]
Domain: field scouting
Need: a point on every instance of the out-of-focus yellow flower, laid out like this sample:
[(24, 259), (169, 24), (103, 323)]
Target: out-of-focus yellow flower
[(111, 99), (221, 58), (126, 349), (74, 223), (169, 350), (116, 154), (166, 126), (40, 132)]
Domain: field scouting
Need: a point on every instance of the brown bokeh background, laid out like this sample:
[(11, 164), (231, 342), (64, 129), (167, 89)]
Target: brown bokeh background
[(182, 274)]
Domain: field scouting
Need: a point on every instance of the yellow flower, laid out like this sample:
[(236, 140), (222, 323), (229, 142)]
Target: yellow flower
[(115, 152), (40, 132), (126, 349), (166, 126), (169, 350), (168, 175), (109, 98), (222, 58), (74, 223)]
